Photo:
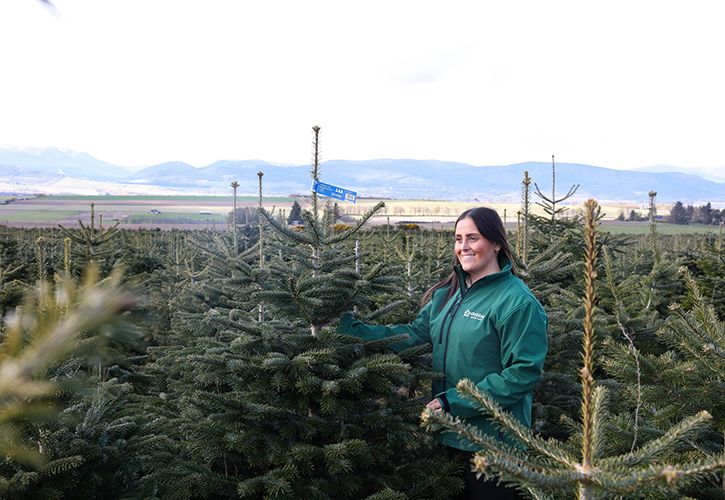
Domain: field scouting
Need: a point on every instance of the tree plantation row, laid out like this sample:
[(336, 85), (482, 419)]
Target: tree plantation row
[(201, 364)]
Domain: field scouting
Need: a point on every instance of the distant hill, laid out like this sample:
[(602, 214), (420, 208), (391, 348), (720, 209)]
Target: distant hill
[(708, 173), (174, 172), (53, 171), (56, 163), (443, 180), (278, 180)]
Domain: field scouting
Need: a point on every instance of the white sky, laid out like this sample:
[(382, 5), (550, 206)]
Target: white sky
[(620, 84)]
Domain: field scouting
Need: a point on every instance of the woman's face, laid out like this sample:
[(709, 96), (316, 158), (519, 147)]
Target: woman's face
[(475, 253)]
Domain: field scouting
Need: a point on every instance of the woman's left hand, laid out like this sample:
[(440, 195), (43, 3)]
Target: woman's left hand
[(434, 405)]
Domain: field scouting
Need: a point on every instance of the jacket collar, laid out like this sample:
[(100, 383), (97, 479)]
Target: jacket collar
[(503, 262)]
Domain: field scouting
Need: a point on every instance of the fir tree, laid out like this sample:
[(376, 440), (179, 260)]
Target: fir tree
[(522, 233), (295, 214), (93, 244), (10, 271), (704, 214), (68, 451), (678, 213), (686, 378), (191, 375), (36, 340), (708, 269), (234, 185), (341, 407), (549, 204), (280, 406), (342, 411)]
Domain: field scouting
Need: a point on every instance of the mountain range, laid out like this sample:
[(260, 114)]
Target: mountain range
[(54, 171)]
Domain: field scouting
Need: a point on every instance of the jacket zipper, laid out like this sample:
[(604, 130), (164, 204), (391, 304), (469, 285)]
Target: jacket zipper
[(453, 312), (446, 318)]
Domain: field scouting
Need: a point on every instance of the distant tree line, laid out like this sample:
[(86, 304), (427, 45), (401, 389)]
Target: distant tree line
[(632, 217), (703, 214), (247, 215)]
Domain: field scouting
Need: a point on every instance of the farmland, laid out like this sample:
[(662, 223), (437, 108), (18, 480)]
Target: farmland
[(130, 211), (169, 212)]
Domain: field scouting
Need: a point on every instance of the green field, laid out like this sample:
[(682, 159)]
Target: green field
[(172, 210), (36, 215), (172, 217)]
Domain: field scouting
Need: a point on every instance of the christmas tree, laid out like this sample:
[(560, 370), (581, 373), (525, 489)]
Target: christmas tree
[(259, 397), (54, 329)]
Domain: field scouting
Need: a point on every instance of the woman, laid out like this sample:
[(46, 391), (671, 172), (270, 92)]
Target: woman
[(485, 325)]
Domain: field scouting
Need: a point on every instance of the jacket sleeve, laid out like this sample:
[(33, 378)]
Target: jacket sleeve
[(523, 349), (418, 331)]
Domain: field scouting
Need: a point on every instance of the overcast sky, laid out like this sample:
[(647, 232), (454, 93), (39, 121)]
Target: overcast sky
[(620, 84)]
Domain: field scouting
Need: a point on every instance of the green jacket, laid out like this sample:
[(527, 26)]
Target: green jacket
[(493, 333)]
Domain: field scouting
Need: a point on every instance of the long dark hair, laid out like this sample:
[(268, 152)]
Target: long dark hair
[(490, 226)]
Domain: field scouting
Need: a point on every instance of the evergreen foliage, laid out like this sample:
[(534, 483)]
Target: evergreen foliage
[(92, 242), (684, 379), (703, 214), (549, 204), (225, 401), (295, 214), (280, 406), (37, 340), (707, 266), (338, 408), (550, 469), (10, 270)]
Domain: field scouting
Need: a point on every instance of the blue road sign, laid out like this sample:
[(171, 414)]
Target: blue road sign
[(334, 192)]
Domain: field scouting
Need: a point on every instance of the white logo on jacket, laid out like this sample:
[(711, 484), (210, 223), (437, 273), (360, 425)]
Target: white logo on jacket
[(474, 315)]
